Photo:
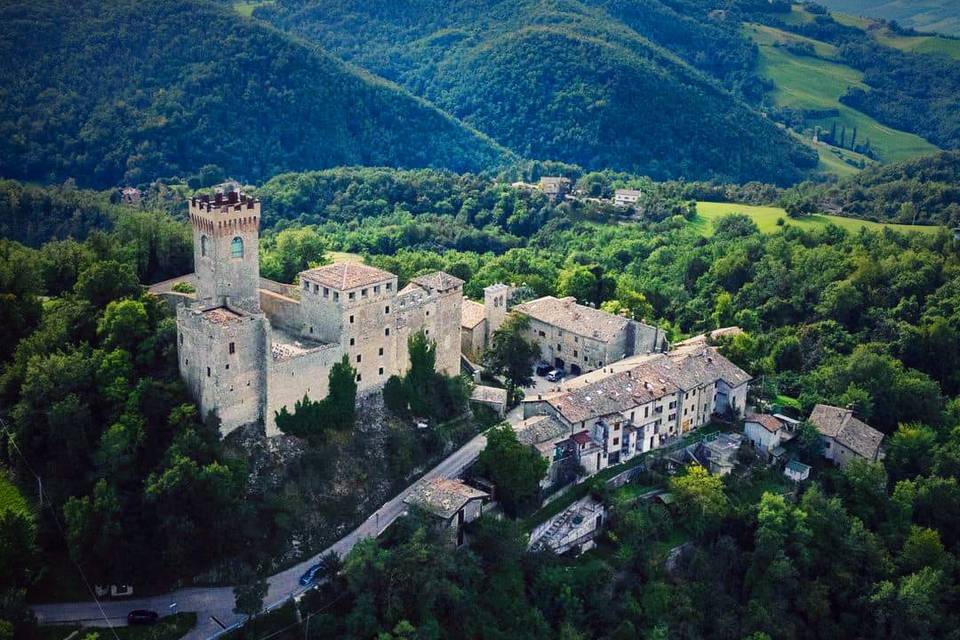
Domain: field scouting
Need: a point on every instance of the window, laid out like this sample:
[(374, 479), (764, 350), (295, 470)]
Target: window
[(672, 417), (208, 372), (559, 347), (336, 296), (684, 411), (600, 364), (673, 404), (227, 367), (363, 293), (428, 312), (236, 247), (203, 245), (381, 370), (306, 286), (381, 351), (427, 332), (353, 341), (616, 427), (386, 331), (542, 334), (233, 348), (386, 309), (326, 292), (646, 411), (352, 295), (376, 288), (389, 286), (358, 377), (359, 357), (575, 354), (351, 318), (576, 339), (311, 329), (616, 441)]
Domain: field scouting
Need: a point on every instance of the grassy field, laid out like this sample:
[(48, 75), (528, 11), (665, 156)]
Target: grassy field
[(246, 7), (343, 256), (816, 83), (766, 219), (932, 44)]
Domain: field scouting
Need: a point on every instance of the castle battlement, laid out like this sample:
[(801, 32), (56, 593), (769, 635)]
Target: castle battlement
[(246, 353), (225, 213)]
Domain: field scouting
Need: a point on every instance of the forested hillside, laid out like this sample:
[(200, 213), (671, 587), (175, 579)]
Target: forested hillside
[(924, 190), (653, 93), (941, 16), (125, 92)]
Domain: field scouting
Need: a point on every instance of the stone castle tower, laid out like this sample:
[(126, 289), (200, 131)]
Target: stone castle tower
[(225, 249), (495, 298), (224, 336)]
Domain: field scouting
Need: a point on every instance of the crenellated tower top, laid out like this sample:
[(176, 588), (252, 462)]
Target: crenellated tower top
[(226, 232)]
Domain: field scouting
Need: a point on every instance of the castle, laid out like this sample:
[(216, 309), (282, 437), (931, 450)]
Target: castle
[(248, 346)]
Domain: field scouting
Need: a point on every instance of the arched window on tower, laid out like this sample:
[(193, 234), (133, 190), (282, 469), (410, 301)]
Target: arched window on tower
[(203, 245), (236, 248)]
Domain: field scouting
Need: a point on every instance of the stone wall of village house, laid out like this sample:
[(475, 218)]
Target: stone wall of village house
[(695, 407), (472, 341), (727, 396), (292, 378), (223, 365), (585, 352)]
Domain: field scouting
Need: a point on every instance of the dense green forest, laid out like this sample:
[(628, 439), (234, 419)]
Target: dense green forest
[(871, 319), (129, 92), (921, 191), (654, 93)]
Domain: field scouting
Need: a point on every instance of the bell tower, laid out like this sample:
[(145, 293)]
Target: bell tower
[(225, 249)]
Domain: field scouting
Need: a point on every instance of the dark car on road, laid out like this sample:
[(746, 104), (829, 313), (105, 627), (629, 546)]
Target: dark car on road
[(142, 616), (543, 369), (310, 576)]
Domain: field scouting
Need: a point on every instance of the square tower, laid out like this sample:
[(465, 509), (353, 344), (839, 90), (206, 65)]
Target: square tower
[(354, 305), (225, 248)]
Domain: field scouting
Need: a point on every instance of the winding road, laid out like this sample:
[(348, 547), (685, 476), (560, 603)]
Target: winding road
[(213, 604)]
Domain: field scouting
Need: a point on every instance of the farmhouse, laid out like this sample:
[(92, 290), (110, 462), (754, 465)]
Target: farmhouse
[(844, 436), (626, 197), (451, 502)]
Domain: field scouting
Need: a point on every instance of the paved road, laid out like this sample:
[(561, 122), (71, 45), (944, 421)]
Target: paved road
[(217, 602)]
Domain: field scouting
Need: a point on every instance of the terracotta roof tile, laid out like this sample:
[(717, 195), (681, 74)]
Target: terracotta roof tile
[(347, 275), (471, 314)]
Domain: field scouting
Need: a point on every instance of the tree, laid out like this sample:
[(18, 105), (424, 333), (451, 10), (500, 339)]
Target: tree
[(700, 499), (105, 281), (909, 451), (578, 281), (338, 411), (809, 444), (514, 468), (511, 354), (124, 325), (248, 597)]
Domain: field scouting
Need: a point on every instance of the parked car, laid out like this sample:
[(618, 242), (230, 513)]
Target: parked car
[(310, 576), (543, 369), (556, 375), (142, 616)]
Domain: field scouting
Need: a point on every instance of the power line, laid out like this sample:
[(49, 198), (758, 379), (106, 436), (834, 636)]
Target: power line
[(56, 520)]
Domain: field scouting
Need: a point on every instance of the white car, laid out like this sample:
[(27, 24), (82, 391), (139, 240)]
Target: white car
[(555, 376)]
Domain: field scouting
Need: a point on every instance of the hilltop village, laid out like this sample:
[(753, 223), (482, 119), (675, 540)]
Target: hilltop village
[(615, 388)]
